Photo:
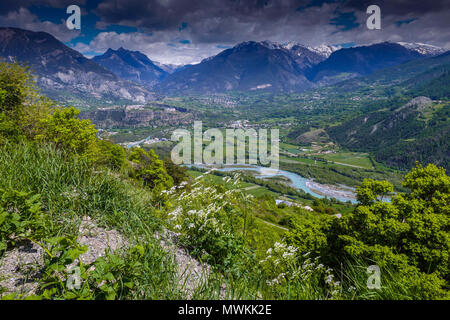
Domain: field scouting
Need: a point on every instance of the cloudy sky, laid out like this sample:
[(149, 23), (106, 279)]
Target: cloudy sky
[(187, 31)]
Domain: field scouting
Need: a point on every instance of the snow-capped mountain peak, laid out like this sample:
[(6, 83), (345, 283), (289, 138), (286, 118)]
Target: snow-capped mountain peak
[(291, 44), (423, 48), (324, 50)]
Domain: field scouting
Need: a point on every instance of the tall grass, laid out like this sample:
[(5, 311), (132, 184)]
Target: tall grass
[(70, 189)]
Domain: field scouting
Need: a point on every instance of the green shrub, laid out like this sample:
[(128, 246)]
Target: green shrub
[(16, 88), (66, 131), (409, 234), (150, 169), (21, 217), (9, 130), (109, 155)]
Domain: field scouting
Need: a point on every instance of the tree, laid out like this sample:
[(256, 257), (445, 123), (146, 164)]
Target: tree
[(411, 233), (110, 155), (16, 87), (178, 173), (150, 169), (64, 129), (370, 190)]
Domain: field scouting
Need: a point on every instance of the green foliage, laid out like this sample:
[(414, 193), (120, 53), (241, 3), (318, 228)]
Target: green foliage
[(212, 227), (178, 173), (294, 276), (436, 88), (21, 107), (319, 206), (113, 276), (21, 217), (66, 131), (399, 136), (308, 234), (410, 234), (9, 130), (109, 155), (150, 169), (16, 87), (370, 190)]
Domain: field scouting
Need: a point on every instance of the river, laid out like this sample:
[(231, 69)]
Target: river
[(342, 193)]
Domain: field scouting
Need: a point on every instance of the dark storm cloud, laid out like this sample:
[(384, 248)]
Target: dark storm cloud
[(7, 6), (163, 14), (231, 20), (401, 7), (186, 31), (206, 21), (21, 14), (170, 14)]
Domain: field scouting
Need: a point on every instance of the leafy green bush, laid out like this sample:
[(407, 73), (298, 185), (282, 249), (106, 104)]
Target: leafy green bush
[(9, 130), (66, 131), (21, 217), (409, 234), (109, 155), (178, 173), (150, 169), (16, 88)]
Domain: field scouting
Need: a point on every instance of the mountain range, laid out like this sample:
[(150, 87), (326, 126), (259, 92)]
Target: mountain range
[(65, 74), (247, 66), (288, 68), (130, 76)]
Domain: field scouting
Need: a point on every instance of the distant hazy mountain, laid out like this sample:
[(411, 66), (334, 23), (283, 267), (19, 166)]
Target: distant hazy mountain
[(131, 65), (247, 66), (170, 68), (350, 62), (289, 67), (122, 75), (64, 73)]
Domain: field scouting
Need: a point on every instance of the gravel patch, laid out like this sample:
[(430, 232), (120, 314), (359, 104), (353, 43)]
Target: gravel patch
[(98, 240), (21, 267), (191, 272)]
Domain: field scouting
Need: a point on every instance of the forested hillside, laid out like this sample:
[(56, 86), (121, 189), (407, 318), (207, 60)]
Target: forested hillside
[(416, 131)]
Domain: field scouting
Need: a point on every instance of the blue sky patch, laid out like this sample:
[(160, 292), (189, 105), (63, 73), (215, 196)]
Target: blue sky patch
[(345, 45), (407, 21), (345, 21), (183, 26), (317, 3)]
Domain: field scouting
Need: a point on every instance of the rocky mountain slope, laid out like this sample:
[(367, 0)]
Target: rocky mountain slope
[(123, 76), (132, 117), (291, 67), (131, 65), (248, 66), (357, 61), (65, 74)]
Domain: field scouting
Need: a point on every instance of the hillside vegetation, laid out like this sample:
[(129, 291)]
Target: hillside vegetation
[(54, 172)]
